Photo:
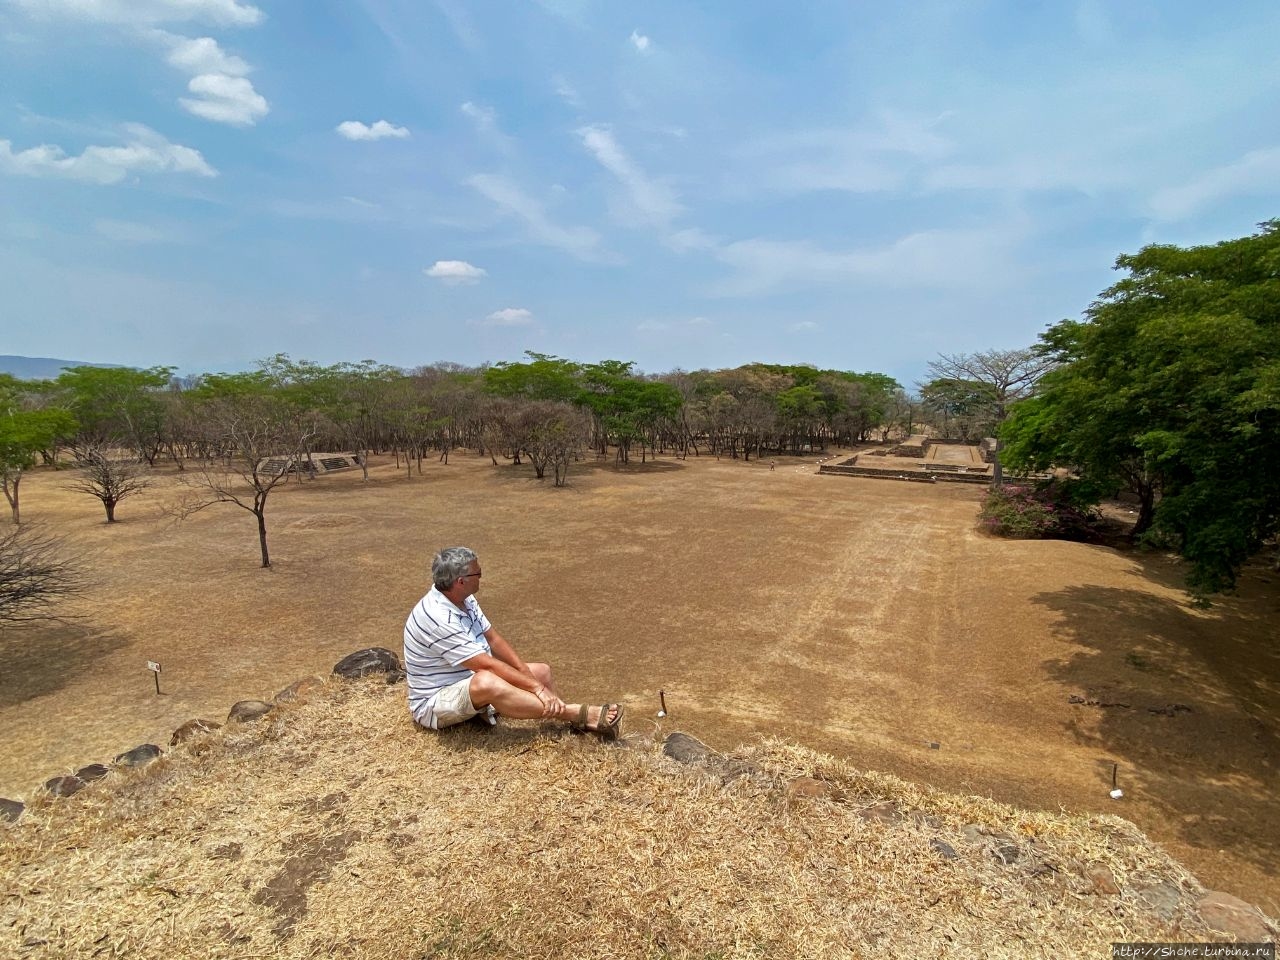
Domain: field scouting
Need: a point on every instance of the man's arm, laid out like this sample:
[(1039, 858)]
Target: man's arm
[(506, 663), (504, 651)]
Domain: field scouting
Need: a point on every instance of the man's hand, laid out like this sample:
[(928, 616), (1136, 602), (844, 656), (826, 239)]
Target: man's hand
[(552, 706)]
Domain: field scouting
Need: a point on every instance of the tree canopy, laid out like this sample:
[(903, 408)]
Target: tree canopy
[(1171, 387)]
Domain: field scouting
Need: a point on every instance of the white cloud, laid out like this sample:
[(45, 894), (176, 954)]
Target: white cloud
[(582, 242), (566, 92), (224, 12), (484, 117), (381, 129), (201, 55), (804, 326), (942, 259), (509, 317), (486, 122), (650, 202), (145, 151), (218, 80), (454, 272), (639, 41), (225, 99), (1257, 172)]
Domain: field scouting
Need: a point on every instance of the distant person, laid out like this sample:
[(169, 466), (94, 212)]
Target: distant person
[(458, 665), (772, 463)]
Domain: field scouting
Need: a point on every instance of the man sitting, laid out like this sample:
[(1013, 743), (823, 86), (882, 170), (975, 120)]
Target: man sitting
[(458, 664)]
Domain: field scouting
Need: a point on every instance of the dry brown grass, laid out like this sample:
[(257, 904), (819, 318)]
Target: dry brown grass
[(336, 828), (863, 618)]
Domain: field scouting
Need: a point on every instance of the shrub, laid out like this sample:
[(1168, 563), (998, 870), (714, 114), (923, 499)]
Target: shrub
[(1043, 512)]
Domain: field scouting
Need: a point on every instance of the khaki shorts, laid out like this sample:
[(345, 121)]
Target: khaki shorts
[(450, 705)]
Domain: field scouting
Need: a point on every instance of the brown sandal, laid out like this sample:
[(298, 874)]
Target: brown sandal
[(605, 729)]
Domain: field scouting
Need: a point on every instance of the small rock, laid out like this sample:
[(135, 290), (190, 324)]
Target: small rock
[(94, 771), (1103, 880), (139, 756), (191, 729), (64, 786), (807, 788), (1007, 853), (1163, 898), (974, 833), (883, 812), (1228, 914), (227, 851), (246, 711), (686, 749), (370, 660), (11, 810), (948, 852), (299, 689)]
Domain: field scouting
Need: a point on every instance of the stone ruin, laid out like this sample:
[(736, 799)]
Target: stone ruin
[(310, 464), (922, 459)]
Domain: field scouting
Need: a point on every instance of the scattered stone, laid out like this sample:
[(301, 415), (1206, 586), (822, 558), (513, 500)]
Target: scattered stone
[(11, 810), (191, 729), (64, 786), (1103, 880), (246, 711), (139, 756), (1163, 898), (948, 852), (693, 752), (1007, 853), (370, 660), (1093, 702), (974, 833), (1169, 710), (94, 771), (299, 689), (686, 749), (807, 788), (883, 812), (1231, 915), (228, 851)]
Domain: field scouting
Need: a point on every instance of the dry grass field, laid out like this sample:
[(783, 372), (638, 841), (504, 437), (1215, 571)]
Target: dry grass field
[(865, 618)]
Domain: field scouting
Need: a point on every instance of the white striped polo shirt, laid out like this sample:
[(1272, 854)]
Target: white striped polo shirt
[(438, 637)]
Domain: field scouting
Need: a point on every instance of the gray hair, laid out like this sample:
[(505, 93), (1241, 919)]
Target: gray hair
[(449, 564)]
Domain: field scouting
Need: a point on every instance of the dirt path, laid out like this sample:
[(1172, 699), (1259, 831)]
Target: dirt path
[(863, 617)]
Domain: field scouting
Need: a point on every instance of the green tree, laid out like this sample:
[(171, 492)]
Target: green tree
[(1171, 385), (118, 405), (25, 432)]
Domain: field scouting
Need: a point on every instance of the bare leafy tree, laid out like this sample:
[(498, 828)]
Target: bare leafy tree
[(1000, 376), (262, 443), (34, 575), (108, 475)]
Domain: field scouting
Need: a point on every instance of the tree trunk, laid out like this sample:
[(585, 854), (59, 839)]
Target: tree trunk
[(260, 512), (111, 510), (11, 494)]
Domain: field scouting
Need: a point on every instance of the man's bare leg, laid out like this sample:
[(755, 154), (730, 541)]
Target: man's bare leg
[(489, 689)]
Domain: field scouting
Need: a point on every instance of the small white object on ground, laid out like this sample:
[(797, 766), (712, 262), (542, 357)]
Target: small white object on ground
[(661, 714), (1117, 794)]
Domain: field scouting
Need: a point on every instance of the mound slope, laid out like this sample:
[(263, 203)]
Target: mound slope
[(333, 827)]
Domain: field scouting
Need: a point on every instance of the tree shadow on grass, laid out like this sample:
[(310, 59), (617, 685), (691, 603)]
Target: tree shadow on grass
[(1184, 700), (43, 657)]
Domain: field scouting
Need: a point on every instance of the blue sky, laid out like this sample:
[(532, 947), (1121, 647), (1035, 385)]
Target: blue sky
[(856, 185)]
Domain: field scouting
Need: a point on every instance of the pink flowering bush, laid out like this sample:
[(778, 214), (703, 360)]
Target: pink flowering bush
[(1043, 512)]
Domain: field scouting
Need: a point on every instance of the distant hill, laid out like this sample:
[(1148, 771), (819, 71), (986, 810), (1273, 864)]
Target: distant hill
[(41, 368)]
